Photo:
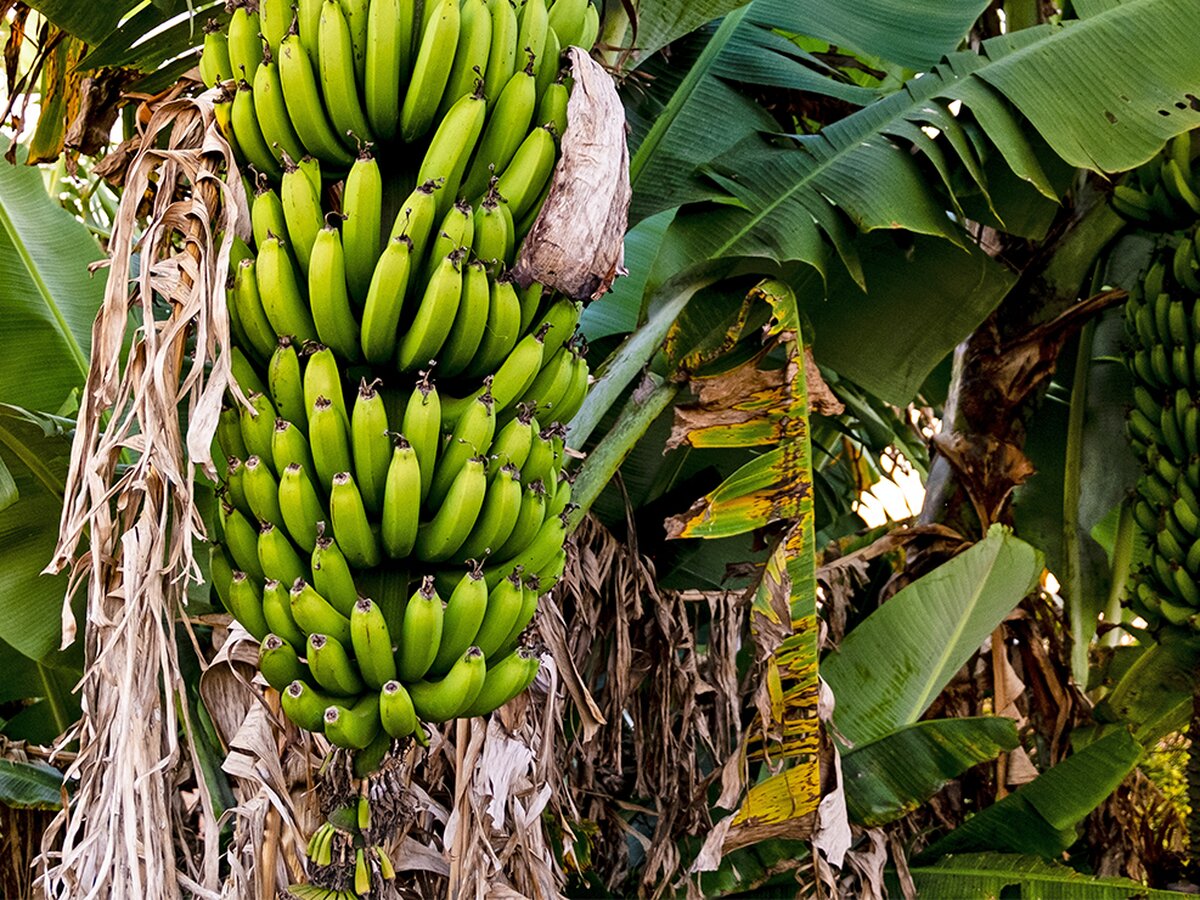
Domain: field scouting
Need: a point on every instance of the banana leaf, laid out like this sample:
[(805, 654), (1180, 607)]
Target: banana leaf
[(30, 785), (982, 876)]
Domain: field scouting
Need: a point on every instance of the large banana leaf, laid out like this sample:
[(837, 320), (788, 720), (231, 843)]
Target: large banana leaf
[(892, 776), (894, 664), (1040, 818), (983, 876), (30, 785)]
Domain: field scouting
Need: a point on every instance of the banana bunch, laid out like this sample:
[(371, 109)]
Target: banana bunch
[(1162, 320), (1163, 194), (394, 501)]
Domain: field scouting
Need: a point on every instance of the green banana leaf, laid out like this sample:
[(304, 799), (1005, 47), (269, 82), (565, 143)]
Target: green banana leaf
[(661, 21), (30, 785), (893, 665), (894, 775), (983, 876), (1154, 695), (1040, 818)]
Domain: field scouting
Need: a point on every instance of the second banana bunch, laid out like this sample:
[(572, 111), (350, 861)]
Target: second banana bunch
[(394, 501)]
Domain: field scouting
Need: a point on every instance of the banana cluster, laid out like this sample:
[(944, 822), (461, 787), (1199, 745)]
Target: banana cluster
[(1162, 319), (394, 502), (1163, 194)]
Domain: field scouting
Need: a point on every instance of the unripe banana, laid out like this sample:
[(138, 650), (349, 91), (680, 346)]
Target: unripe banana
[(244, 120), (315, 615), (332, 313), (332, 577), (330, 442), (396, 710), (471, 55), (435, 316), (576, 392), (524, 179), (501, 508), (279, 290), (305, 706), (540, 552), (502, 331), (513, 441), (372, 448), (551, 383), (275, 19), (556, 505), (262, 491), (531, 301), (332, 667), (215, 66), (470, 321), (452, 145), (297, 73), (390, 26), (350, 524), (372, 643), (301, 201), (355, 727), (518, 370), (420, 633), (504, 680), (308, 25), (277, 610), (423, 428), (285, 383), (243, 373), (235, 484), (258, 425), (245, 604), (441, 701), (278, 662), (362, 203), (273, 119), (439, 539), (241, 539), (567, 18), (335, 49), (531, 40), (277, 557), (462, 617), (552, 108), (507, 126), (530, 591), (502, 56), (505, 601), (229, 434), (245, 299), (456, 231), (301, 506), (493, 235), (220, 573), (357, 14), (431, 72), (290, 447), (560, 320), (385, 301), (472, 436), (549, 65), (245, 45), (417, 217), (591, 28), (401, 501), (529, 521)]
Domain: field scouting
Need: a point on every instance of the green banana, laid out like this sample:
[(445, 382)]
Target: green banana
[(305, 706), (323, 378), (278, 662), (331, 575), (472, 436), (530, 592), (245, 604), (497, 518), (518, 370), (507, 125), (358, 14), (540, 552), (420, 632), (371, 446), (502, 331), (513, 441), (560, 320), (277, 557), (591, 28), (258, 425), (390, 26), (350, 524), (551, 383), (552, 108), (297, 74), (235, 485), (273, 119), (441, 701), (301, 201), (262, 491), (417, 216), (529, 521), (567, 18), (471, 55), (301, 506), (275, 17), (576, 393), (461, 619), (330, 442), (466, 334), (215, 66), (422, 427), (439, 539), (241, 539), (401, 501), (245, 299), (431, 71), (530, 300), (435, 316), (456, 230), (493, 232), (355, 727), (451, 147), (372, 643), (385, 300), (502, 55), (524, 178), (362, 872), (289, 446), (396, 710), (362, 203), (243, 119), (531, 38), (244, 45), (315, 615), (308, 26), (505, 601), (220, 573), (244, 373), (330, 297), (285, 383), (332, 667), (549, 64), (229, 433), (277, 610), (266, 211), (504, 680), (279, 290), (558, 503), (335, 49)]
